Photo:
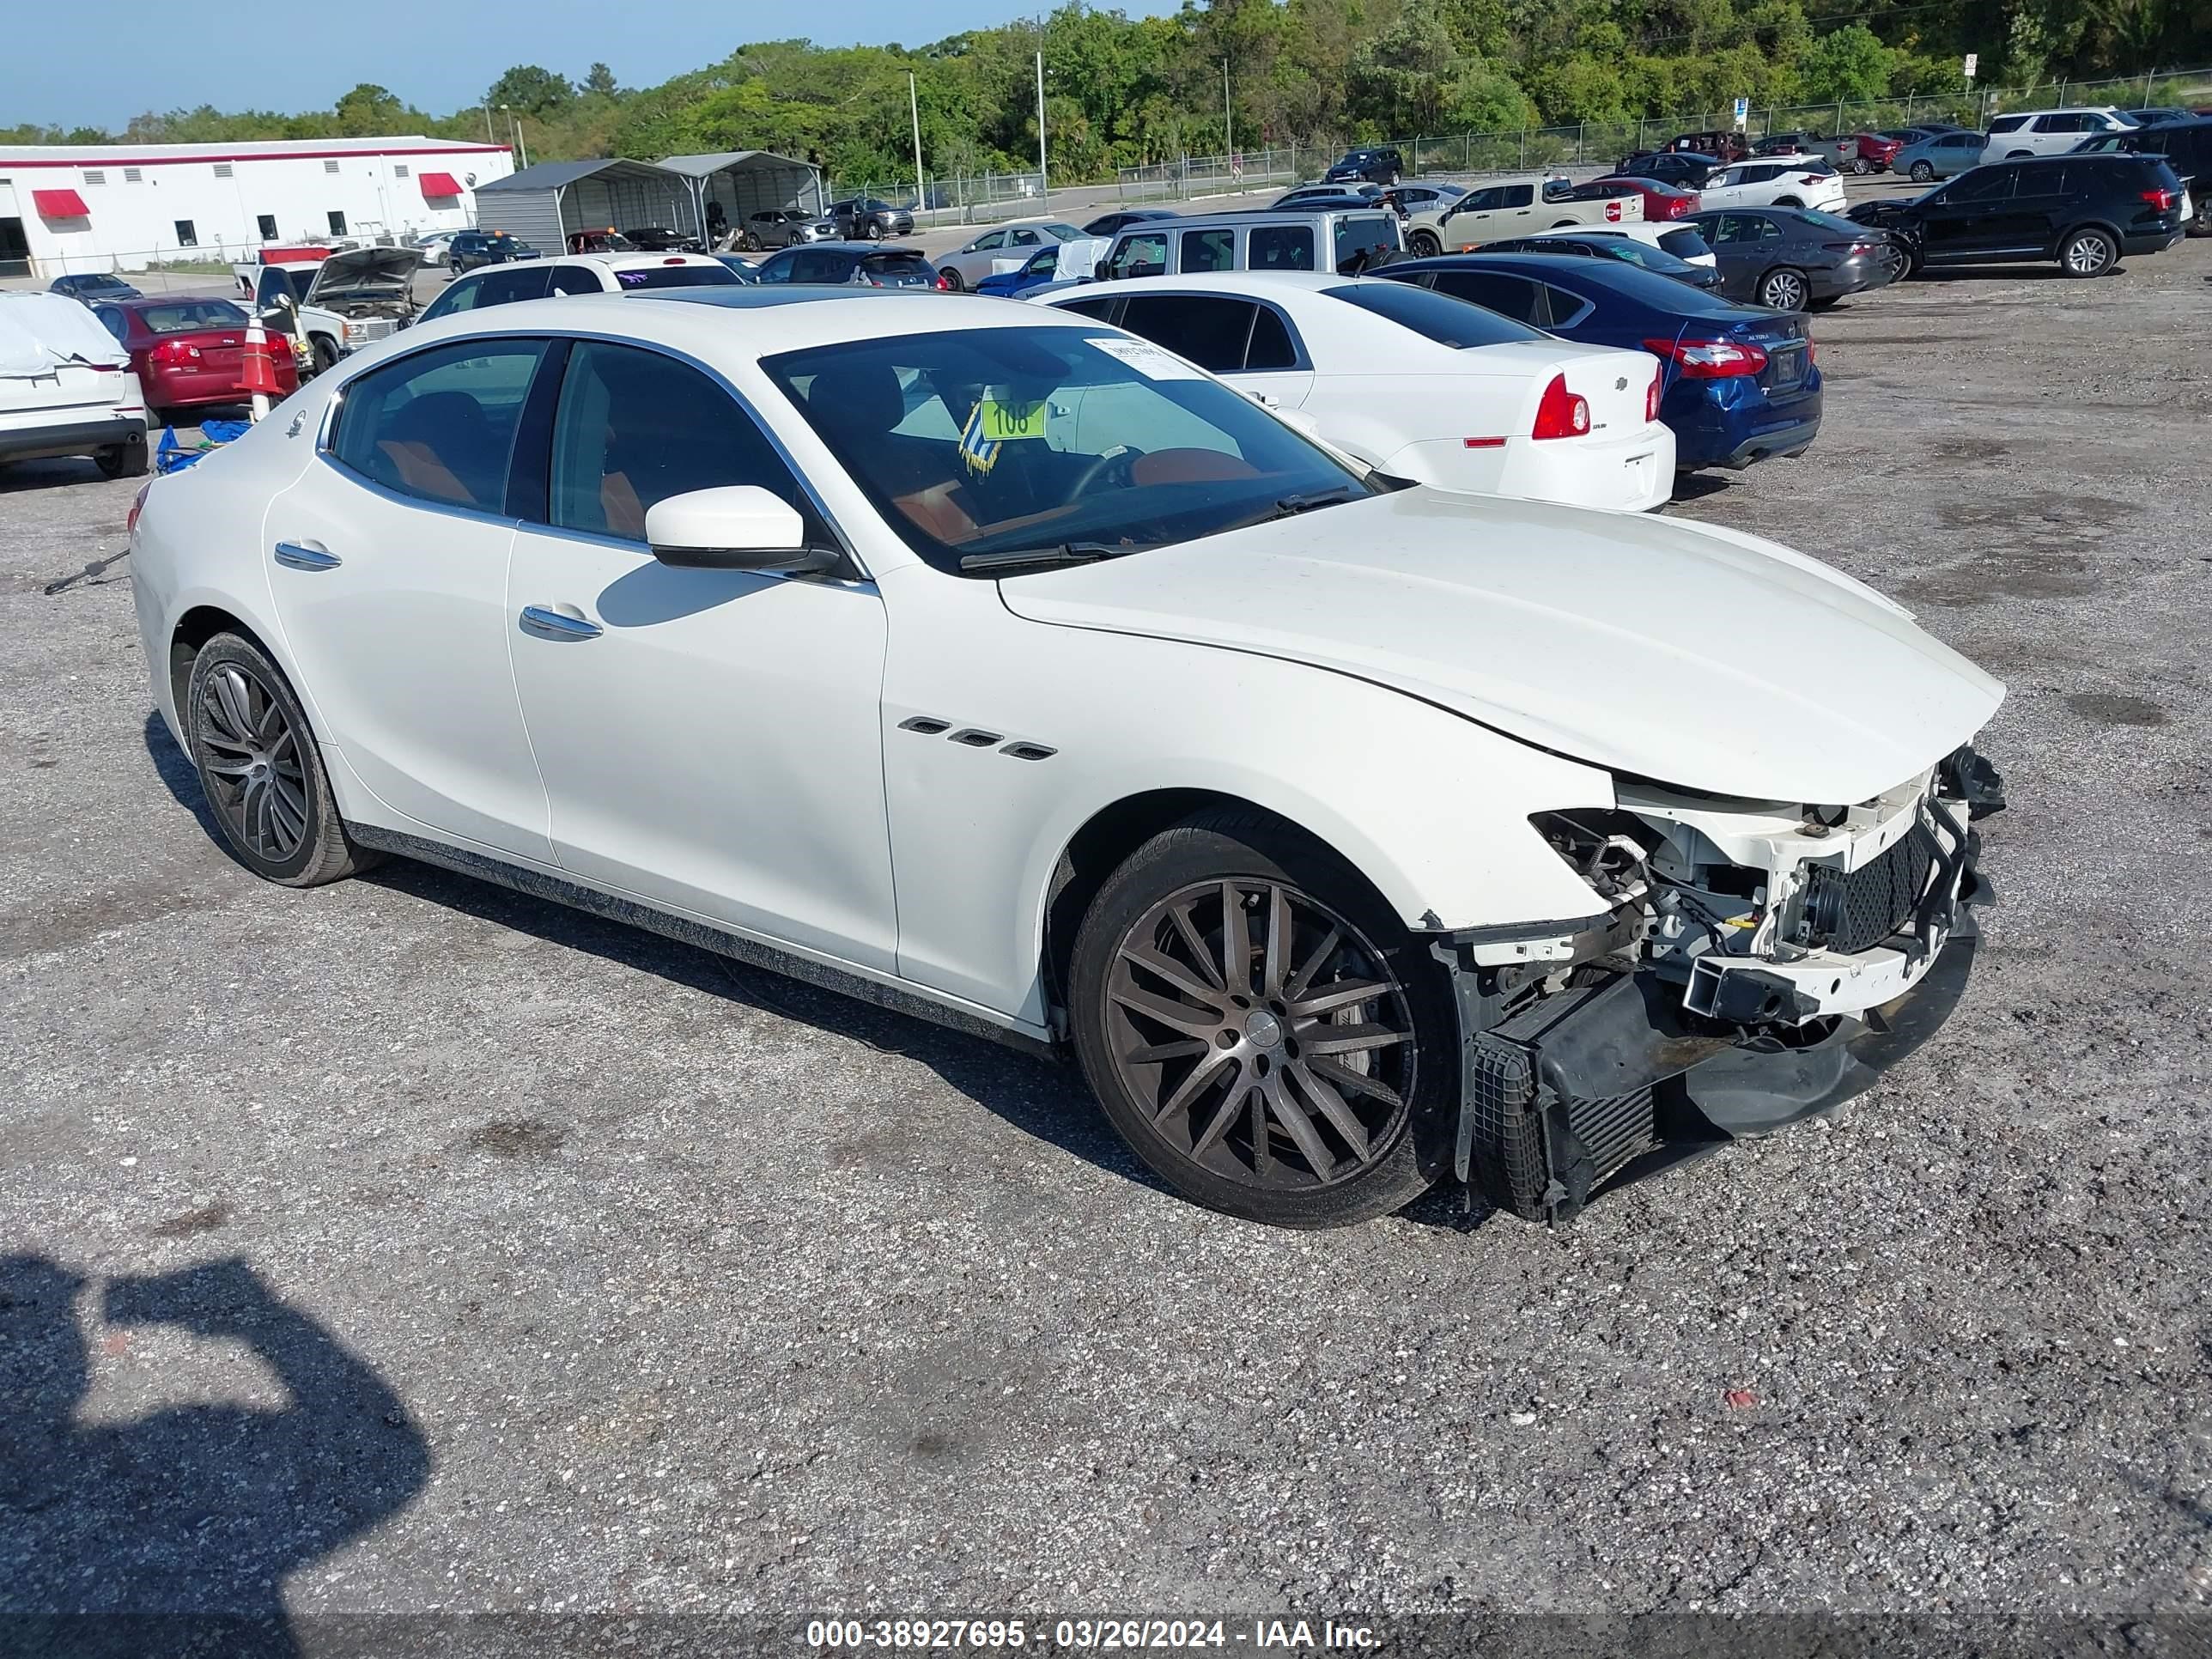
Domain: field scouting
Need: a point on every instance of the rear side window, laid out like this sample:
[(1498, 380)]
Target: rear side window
[(2008, 124), (440, 426), (575, 279), (1209, 330), (1366, 234), (1438, 317), (1516, 299), (1209, 250), (634, 428), (1684, 243), (1281, 248), (1099, 308)]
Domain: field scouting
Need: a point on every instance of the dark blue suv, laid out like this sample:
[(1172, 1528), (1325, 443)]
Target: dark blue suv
[(1739, 386)]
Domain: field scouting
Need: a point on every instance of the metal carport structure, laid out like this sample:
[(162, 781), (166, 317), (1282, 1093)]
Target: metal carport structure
[(746, 182), (546, 204)]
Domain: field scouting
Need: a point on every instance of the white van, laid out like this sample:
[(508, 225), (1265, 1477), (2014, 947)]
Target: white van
[(66, 388)]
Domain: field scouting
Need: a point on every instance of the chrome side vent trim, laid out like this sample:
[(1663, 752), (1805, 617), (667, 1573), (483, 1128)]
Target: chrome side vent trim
[(927, 725), (1028, 751), (977, 739)]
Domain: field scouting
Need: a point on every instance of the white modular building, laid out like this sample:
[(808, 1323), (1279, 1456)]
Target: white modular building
[(68, 207)]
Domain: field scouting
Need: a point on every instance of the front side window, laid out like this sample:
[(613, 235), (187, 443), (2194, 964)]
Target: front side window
[(1209, 250), (461, 296), (634, 428), (439, 425), (1982, 185), (1038, 438), (1279, 247), (1144, 255), (777, 270), (514, 282)]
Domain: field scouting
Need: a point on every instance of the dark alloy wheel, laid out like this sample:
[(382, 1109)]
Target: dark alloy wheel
[(1251, 1034), (259, 769), (1425, 245)]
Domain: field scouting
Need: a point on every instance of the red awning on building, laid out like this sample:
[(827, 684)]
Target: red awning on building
[(441, 184), (59, 204)]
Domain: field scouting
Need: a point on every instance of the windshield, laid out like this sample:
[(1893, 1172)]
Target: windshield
[(1435, 316), (701, 276), (996, 441), (188, 314)]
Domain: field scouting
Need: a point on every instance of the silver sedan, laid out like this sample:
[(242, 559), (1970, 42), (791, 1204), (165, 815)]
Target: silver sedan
[(969, 265)]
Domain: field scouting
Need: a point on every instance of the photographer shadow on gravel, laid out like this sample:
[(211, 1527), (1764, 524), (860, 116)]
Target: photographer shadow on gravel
[(171, 1534)]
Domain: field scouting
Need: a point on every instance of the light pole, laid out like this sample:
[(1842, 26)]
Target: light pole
[(1042, 177), (489, 138), (913, 110), (1228, 120), (514, 123)]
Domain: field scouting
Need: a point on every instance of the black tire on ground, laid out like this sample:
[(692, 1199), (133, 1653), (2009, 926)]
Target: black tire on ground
[(1401, 1098), (952, 280), (1922, 173), (1787, 201), (2088, 254), (749, 243), (875, 230), (261, 770), (158, 418), (1394, 181), (125, 460), (1784, 289), (326, 354), (2202, 224), (1425, 245)]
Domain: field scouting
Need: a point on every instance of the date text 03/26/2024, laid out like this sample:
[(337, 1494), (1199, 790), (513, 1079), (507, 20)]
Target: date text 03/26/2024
[(983, 1635)]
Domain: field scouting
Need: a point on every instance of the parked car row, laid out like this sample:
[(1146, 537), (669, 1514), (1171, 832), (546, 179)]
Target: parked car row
[(1348, 833)]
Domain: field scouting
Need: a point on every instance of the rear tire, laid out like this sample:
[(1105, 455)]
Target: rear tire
[(952, 280), (1788, 201), (1248, 1098), (1861, 166), (1784, 289), (2088, 254), (261, 770), (123, 460)]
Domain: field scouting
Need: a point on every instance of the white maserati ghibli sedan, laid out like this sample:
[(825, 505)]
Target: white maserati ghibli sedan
[(999, 666)]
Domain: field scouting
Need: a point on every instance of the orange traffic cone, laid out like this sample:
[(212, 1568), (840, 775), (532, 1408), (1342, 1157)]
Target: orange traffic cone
[(258, 368)]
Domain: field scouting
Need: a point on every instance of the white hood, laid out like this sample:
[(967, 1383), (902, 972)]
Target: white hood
[(1703, 659), (40, 333)]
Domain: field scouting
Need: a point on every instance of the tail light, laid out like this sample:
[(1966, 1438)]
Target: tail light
[(1710, 360), (1560, 413), (1675, 208), (944, 282), (1848, 247), (1651, 395), (1808, 178), (2163, 200), (672, 262), (137, 505), (175, 351)]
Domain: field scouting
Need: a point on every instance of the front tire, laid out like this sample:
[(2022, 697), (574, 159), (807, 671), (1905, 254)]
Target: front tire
[(2088, 254), (326, 354), (260, 769), (1425, 245), (1261, 1028), (1784, 289), (952, 280), (1922, 173)]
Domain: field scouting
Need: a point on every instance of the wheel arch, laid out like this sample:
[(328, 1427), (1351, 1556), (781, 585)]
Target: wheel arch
[(2110, 233)]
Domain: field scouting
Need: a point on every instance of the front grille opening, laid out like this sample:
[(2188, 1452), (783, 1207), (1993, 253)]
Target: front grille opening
[(1855, 912)]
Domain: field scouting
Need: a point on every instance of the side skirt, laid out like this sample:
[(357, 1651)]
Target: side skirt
[(687, 931)]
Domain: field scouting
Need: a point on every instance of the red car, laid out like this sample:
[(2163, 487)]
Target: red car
[(1660, 201), (189, 350), (1867, 152)]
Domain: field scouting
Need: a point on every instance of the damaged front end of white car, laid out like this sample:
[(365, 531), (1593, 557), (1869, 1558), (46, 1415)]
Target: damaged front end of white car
[(1758, 963)]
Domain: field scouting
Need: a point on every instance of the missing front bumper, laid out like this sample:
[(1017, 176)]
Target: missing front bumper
[(1584, 1087)]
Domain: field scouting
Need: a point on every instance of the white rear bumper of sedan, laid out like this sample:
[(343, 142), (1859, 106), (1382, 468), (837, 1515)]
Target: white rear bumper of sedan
[(1630, 471)]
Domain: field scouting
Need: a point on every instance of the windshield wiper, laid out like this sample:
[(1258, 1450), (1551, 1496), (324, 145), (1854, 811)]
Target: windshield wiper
[(1022, 558), (1291, 505)]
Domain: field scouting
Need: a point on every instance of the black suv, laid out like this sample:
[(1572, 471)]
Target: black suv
[(865, 219), (1679, 168), (2087, 212), (859, 265), (2187, 147), (472, 248), (1377, 166), (652, 238)]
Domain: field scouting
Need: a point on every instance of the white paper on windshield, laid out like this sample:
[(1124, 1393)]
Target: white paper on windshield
[(1148, 360)]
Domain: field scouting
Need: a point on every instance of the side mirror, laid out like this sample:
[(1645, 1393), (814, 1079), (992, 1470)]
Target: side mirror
[(732, 527)]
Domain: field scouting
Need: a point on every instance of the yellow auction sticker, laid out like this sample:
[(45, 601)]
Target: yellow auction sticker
[(1004, 421)]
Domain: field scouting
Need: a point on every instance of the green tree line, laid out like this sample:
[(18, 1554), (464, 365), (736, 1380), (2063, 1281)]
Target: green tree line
[(1121, 91)]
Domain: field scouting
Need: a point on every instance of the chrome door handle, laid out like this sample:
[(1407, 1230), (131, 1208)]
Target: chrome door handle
[(306, 556), (556, 625)]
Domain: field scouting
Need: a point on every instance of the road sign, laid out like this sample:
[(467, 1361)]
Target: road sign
[(1743, 110), (1972, 59)]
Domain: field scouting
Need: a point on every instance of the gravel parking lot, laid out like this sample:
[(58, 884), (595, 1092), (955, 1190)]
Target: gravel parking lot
[(531, 1263)]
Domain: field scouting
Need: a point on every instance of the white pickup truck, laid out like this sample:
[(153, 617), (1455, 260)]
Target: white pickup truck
[(1522, 206), (356, 296)]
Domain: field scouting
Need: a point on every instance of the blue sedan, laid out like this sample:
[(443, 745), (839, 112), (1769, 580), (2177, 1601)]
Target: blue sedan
[(1040, 268), (1738, 383), (1939, 156)]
